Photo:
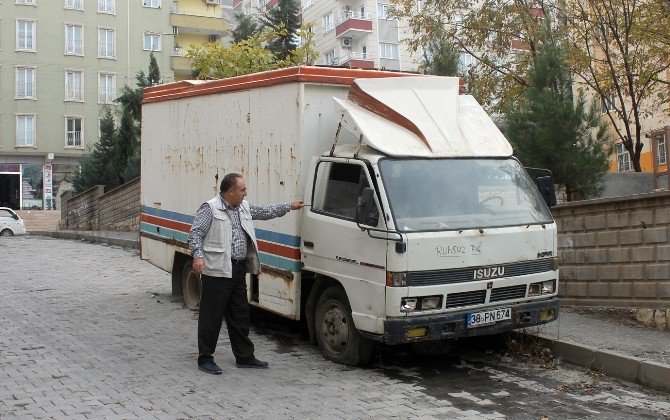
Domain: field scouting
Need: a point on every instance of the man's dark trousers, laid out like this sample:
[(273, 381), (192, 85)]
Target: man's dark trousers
[(220, 298)]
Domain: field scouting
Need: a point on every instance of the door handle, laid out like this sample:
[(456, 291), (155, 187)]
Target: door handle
[(308, 244)]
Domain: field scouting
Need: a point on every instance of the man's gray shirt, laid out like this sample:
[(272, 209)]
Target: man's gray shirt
[(203, 221)]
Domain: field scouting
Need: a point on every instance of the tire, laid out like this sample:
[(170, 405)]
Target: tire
[(190, 286), (336, 335), (6, 232)]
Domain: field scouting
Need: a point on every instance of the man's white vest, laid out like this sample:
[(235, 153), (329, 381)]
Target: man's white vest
[(217, 245)]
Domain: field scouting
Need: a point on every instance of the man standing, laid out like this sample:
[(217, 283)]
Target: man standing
[(223, 246)]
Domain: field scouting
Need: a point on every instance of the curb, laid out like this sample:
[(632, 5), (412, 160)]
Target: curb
[(645, 372), (59, 234)]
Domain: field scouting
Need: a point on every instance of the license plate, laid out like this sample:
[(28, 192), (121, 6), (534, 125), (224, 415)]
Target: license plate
[(478, 319)]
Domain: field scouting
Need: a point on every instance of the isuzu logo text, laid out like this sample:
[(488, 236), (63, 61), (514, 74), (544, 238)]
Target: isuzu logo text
[(489, 273)]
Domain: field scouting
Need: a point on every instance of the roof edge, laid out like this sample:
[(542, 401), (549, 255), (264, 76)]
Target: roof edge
[(311, 74)]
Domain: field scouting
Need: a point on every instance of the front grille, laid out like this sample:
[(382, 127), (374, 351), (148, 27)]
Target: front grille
[(475, 297), (463, 275), (508, 293)]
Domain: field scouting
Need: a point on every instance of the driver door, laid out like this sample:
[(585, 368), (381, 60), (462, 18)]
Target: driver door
[(333, 245)]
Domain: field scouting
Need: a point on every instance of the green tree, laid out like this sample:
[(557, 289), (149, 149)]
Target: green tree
[(247, 26), (283, 19), (154, 77), (98, 166), (214, 60), (552, 129), (440, 56), (127, 143)]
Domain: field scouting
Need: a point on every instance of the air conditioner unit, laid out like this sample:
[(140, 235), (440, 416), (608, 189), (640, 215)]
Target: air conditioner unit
[(212, 1), (347, 8), (346, 42)]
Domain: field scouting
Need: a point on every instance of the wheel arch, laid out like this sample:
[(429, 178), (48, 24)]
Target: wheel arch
[(319, 284), (179, 261)]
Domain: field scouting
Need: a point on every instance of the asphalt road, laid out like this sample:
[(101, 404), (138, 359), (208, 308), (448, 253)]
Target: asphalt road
[(91, 331)]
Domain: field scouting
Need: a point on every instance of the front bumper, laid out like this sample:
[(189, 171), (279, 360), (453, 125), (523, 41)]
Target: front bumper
[(452, 325)]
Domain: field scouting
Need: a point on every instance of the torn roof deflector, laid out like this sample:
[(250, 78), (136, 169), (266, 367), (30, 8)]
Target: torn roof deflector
[(420, 116)]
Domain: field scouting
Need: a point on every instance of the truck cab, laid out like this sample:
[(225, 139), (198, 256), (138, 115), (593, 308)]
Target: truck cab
[(429, 236)]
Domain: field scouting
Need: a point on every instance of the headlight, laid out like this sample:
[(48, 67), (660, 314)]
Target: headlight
[(542, 288), (423, 303), (396, 279)]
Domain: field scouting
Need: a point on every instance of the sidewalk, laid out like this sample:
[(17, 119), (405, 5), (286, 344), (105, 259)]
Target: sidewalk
[(635, 354), (631, 353), (110, 237)]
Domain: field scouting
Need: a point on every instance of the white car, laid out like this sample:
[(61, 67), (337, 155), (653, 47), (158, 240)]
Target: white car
[(10, 223)]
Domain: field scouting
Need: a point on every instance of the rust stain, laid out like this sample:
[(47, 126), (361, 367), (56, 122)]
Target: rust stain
[(285, 275)]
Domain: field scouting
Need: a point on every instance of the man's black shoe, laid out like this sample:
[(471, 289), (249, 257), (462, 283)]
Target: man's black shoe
[(210, 367), (253, 363)]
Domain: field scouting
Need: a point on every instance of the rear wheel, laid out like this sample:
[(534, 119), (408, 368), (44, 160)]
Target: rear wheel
[(338, 338), (190, 286), (6, 232)]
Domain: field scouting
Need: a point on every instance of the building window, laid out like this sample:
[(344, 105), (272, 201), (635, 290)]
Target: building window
[(25, 83), (28, 2), (74, 85), (25, 35), (622, 158), (106, 42), (25, 130), (106, 88), (607, 103), (465, 61), (388, 51), (151, 3), (152, 42), (74, 39), (74, 4), (73, 132), (660, 146), (383, 10), (329, 58), (106, 6), (327, 22)]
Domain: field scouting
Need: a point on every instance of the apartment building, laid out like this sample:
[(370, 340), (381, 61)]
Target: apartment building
[(196, 22), (62, 61), (351, 33)]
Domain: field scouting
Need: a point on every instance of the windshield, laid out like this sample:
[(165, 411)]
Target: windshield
[(455, 194)]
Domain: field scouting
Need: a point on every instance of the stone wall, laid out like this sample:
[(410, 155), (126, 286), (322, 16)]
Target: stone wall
[(81, 211), (118, 209), (615, 251)]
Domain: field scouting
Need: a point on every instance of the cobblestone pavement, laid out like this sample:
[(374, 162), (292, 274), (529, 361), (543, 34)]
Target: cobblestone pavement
[(91, 331)]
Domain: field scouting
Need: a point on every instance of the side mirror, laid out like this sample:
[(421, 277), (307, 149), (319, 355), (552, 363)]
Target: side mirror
[(364, 210), (545, 185)]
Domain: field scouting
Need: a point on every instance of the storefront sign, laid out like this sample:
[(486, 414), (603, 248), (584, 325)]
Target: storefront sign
[(48, 194)]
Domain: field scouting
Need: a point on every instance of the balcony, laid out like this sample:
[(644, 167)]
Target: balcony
[(180, 64), (357, 60), (353, 24), (199, 21)]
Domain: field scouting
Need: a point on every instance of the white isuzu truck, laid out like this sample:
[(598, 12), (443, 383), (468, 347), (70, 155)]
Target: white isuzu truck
[(419, 224)]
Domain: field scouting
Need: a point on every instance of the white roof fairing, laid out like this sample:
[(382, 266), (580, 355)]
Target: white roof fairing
[(420, 117)]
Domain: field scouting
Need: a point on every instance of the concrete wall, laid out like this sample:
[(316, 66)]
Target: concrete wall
[(118, 209), (615, 251)]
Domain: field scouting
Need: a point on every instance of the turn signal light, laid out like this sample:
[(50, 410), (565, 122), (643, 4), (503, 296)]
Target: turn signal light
[(417, 332)]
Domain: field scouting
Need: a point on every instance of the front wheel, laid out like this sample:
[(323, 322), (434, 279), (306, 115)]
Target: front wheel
[(338, 338), (190, 286), (6, 232)]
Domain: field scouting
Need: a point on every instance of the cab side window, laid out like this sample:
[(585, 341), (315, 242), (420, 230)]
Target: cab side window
[(338, 188)]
